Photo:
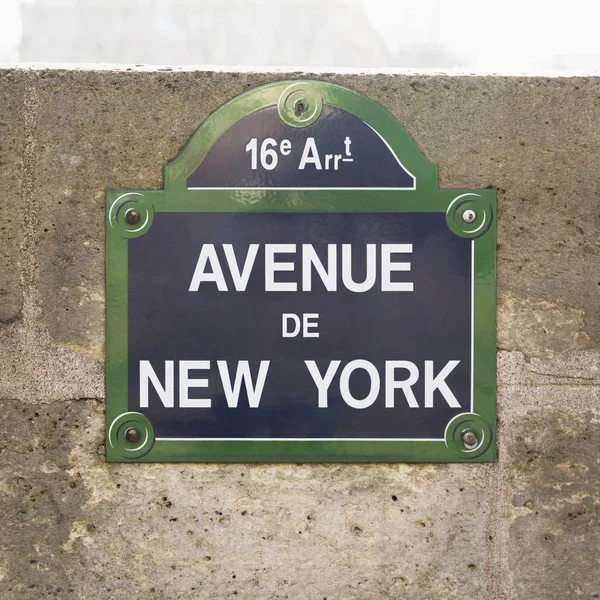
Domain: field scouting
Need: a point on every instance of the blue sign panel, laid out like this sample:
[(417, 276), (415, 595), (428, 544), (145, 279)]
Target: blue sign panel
[(310, 326)]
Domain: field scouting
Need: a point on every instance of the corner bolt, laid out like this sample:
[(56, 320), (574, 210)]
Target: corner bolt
[(132, 435), (469, 215), (469, 440)]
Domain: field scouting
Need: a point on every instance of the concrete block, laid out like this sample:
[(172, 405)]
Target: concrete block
[(74, 526), (12, 209), (549, 496), (39, 498)]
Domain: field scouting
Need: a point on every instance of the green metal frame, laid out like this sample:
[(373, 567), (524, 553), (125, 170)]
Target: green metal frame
[(425, 198)]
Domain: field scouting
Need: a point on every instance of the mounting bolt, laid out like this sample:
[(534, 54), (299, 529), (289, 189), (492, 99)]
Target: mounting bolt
[(469, 215), (132, 217), (300, 108), (469, 440), (132, 435)]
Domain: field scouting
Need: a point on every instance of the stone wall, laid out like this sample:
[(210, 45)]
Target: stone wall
[(72, 526)]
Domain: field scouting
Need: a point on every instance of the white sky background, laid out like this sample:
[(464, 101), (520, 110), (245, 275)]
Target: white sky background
[(484, 35), (506, 35), (10, 30)]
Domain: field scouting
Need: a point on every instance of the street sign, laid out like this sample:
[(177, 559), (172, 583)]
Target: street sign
[(300, 291)]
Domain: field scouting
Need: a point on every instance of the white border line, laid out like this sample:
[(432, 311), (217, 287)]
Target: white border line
[(414, 179), (304, 189), (472, 323), (300, 439), (222, 439)]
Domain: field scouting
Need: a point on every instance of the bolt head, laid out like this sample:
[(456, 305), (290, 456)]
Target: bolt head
[(132, 435), (132, 217), (469, 440), (469, 215)]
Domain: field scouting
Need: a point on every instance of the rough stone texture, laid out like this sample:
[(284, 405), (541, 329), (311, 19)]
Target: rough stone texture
[(550, 509), (82, 529), (12, 142), (526, 527)]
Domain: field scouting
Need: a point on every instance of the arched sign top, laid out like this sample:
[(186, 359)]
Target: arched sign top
[(301, 135), (337, 151)]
